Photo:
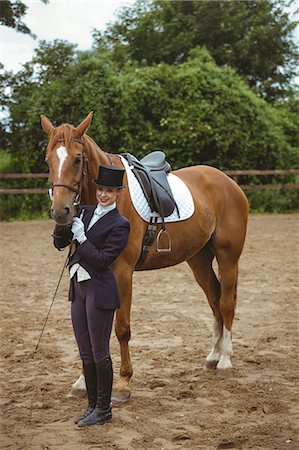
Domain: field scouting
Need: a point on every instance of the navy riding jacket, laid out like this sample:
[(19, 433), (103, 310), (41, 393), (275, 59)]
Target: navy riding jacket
[(105, 240)]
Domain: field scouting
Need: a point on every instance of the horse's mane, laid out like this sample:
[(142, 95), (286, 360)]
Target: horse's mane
[(68, 134), (65, 132)]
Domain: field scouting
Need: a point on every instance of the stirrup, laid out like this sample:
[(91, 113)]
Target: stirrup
[(163, 249)]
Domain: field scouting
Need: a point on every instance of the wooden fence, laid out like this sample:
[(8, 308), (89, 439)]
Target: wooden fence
[(15, 176), (235, 174)]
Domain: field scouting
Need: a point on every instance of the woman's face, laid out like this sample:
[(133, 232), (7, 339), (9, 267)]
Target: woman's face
[(107, 195)]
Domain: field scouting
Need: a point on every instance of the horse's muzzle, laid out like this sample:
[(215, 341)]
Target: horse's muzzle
[(62, 216)]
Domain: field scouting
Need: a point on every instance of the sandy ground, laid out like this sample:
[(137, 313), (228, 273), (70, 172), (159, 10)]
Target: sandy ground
[(175, 404)]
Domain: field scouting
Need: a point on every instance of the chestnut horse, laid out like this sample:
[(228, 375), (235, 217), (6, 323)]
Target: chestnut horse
[(216, 229)]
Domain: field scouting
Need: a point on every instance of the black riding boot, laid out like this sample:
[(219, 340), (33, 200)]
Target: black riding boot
[(90, 374), (102, 412)]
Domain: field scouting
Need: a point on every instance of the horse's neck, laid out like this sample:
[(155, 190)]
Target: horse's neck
[(95, 158)]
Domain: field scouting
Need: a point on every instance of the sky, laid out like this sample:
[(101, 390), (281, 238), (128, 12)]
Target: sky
[(71, 20)]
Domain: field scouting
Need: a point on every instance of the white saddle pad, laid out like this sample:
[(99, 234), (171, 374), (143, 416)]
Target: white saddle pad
[(179, 190)]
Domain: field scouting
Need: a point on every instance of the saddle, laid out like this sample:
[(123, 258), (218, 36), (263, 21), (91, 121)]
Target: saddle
[(151, 172)]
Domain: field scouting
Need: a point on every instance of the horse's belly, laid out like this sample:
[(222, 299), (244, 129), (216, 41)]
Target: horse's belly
[(183, 239)]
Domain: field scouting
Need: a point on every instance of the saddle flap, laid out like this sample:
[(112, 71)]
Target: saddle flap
[(164, 202)]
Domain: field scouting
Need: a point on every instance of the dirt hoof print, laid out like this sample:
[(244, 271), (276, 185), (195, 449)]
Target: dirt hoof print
[(157, 384), (225, 445), (181, 437)]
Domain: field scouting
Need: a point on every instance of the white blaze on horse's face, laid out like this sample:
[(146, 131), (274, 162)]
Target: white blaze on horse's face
[(62, 154)]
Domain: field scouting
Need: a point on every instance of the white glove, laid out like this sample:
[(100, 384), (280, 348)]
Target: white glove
[(78, 230)]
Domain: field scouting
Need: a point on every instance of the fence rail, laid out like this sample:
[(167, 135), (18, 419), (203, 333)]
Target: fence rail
[(231, 173), (23, 175)]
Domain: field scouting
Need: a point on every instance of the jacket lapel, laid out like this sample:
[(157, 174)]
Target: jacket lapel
[(88, 213), (103, 221)]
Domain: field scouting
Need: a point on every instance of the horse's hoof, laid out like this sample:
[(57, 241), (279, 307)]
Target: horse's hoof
[(119, 398), (77, 393), (224, 366), (210, 364)]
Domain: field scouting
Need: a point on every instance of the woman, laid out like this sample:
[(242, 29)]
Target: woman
[(99, 233)]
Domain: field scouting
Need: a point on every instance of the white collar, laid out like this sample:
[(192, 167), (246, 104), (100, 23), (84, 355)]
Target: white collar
[(102, 210)]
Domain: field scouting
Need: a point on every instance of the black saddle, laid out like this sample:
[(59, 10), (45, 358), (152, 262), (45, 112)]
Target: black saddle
[(151, 172)]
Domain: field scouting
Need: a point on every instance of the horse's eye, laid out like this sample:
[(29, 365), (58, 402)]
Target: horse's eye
[(77, 160)]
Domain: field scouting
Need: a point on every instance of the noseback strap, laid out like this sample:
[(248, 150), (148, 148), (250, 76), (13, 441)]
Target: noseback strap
[(71, 188)]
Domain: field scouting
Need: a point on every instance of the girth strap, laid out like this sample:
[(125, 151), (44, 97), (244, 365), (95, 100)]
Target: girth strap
[(148, 240)]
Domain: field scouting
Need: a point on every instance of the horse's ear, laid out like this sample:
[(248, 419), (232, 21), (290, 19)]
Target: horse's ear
[(84, 124), (46, 124)]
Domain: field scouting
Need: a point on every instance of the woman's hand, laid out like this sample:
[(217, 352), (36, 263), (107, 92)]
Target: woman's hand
[(78, 230)]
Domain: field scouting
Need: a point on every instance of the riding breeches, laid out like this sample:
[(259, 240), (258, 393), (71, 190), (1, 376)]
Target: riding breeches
[(92, 326)]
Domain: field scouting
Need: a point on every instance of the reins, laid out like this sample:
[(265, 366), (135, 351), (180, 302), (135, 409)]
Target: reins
[(52, 302)]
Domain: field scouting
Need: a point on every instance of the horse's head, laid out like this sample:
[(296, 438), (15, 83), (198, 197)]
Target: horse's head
[(66, 159)]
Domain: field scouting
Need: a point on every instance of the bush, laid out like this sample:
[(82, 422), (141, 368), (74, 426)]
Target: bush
[(25, 207), (273, 200), (197, 112), (5, 161)]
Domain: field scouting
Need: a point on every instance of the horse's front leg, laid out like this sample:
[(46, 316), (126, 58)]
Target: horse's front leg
[(121, 391)]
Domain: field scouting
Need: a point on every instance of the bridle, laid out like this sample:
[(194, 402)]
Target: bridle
[(85, 163), (78, 190)]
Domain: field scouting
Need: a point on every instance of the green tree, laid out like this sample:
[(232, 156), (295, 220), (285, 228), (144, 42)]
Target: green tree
[(196, 111), (39, 87), (199, 114), (11, 14), (254, 37)]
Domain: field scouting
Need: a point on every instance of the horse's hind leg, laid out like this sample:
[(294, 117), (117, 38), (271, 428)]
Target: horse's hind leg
[(228, 271), (201, 265)]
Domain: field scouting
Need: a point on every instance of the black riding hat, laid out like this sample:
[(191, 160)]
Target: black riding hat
[(110, 176)]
